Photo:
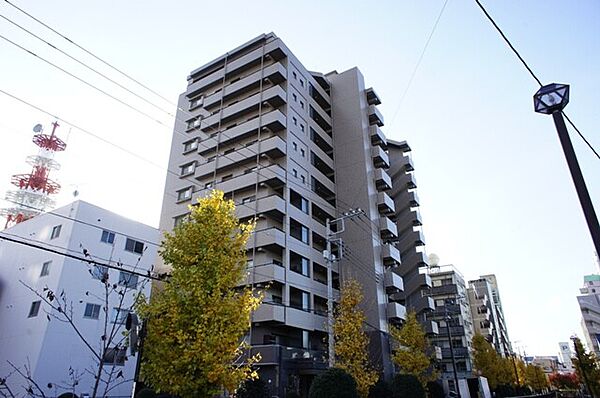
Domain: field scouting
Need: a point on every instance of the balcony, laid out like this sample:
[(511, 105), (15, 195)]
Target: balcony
[(431, 327), (272, 147), (385, 204), (416, 282), (273, 176), (270, 205), (396, 312), (383, 181), (380, 158), (444, 290), (393, 282), (267, 238), (411, 239), (422, 303), (406, 219), (391, 255), (377, 137), (372, 97), (269, 313), (454, 331), (275, 96), (307, 360), (413, 260), (305, 320), (375, 116), (265, 273), (408, 164), (274, 73), (459, 352), (274, 121), (402, 180), (388, 229)]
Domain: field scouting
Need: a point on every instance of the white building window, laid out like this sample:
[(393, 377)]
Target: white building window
[(55, 231), (107, 237), (115, 356), (92, 311), (34, 309), (119, 315), (184, 194), (134, 246), (188, 168), (45, 268), (99, 272), (190, 145), (128, 280)]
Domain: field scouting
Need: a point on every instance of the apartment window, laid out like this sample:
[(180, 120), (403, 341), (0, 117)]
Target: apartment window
[(302, 127), (294, 120), (190, 145), (295, 97), (298, 201), (99, 272), (119, 315), (184, 194), (107, 237), (128, 280), (303, 178), (295, 173), (299, 264), (302, 82), (188, 168), (295, 75), (302, 153), (45, 268), (436, 283), (55, 232), (134, 246), (249, 199), (302, 104), (196, 101), (34, 309), (299, 231), (299, 299), (92, 311), (180, 219), (115, 356), (295, 146)]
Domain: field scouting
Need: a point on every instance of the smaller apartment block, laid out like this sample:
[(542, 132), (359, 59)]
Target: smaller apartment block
[(589, 305), (29, 334)]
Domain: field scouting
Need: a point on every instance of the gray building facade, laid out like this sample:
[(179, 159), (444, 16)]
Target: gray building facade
[(294, 148)]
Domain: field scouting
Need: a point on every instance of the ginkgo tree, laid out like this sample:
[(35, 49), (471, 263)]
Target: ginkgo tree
[(197, 321), (351, 340), (413, 355)]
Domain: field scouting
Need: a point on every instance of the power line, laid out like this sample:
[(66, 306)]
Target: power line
[(83, 81), (3, 236), (89, 52), (414, 72), (539, 82), (85, 65)]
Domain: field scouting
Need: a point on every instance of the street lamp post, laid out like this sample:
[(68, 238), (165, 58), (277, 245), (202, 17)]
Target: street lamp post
[(550, 100)]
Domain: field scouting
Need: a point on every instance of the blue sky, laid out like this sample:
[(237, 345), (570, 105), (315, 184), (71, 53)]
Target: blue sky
[(496, 195)]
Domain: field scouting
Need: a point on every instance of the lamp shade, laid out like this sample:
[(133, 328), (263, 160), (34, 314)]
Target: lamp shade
[(551, 98)]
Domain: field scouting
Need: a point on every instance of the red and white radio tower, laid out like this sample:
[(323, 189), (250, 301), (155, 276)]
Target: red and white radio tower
[(35, 188)]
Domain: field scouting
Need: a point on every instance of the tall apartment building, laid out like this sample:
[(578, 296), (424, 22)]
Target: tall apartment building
[(294, 148), (488, 320), (51, 348), (589, 305), (504, 344), (452, 310)]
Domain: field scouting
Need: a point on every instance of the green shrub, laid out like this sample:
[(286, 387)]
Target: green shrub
[(334, 383), (145, 393), (407, 386), (381, 389), (435, 390), (253, 389)]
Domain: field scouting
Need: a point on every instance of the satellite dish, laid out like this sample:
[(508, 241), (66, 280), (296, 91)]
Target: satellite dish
[(434, 259), (37, 128)]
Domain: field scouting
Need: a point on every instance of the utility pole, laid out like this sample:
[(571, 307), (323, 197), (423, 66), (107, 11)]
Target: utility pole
[(330, 258), (448, 318)]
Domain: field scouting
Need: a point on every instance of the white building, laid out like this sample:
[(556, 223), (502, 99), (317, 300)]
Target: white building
[(31, 335), (566, 356)]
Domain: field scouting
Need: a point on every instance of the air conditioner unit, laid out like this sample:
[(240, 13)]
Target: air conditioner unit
[(267, 80)]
